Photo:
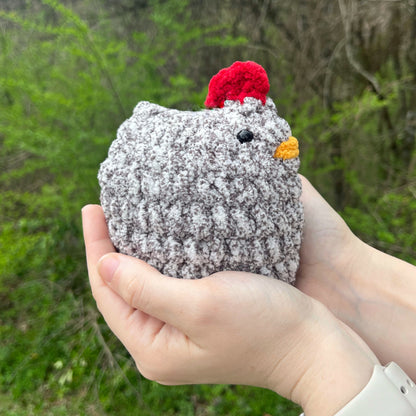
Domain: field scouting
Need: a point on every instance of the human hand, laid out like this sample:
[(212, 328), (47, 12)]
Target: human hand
[(330, 253), (230, 327), (370, 291)]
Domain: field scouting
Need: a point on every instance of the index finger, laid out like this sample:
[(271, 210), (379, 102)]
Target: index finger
[(97, 241)]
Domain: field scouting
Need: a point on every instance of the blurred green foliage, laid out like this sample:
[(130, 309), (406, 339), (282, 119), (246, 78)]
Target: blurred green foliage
[(71, 72)]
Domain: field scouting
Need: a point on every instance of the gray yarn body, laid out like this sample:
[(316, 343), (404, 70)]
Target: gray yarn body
[(180, 191)]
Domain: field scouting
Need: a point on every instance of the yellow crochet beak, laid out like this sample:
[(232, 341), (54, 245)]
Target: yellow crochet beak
[(288, 149)]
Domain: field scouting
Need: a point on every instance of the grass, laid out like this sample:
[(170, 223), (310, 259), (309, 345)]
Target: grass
[(59, 358), (181, 401)]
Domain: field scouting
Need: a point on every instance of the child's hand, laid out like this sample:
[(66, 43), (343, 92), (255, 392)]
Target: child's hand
[(230, 327)]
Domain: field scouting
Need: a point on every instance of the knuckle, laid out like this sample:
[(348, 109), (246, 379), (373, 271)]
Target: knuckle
[(132, 289), (204, 308), (156, 369), (100, 307), (145, 371)]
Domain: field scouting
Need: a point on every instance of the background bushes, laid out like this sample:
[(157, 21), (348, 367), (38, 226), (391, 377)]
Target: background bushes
[(342, 73)]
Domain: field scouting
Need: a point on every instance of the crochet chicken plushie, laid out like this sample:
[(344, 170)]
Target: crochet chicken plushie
[(196, 192)]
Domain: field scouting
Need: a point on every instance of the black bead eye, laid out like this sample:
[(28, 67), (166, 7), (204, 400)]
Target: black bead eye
[(245, 136)]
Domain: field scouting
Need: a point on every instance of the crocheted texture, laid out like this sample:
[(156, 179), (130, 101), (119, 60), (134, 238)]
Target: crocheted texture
[(180, 191), (240, 80)]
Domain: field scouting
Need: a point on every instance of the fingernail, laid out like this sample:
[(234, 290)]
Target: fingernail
[(107, 267), (84, 208)]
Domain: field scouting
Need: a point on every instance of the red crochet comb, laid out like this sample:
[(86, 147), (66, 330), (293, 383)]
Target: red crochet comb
[(240, 80)]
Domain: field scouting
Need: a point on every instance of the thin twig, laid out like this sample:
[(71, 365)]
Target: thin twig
[(346, 16), (109, 355), (328, 73)]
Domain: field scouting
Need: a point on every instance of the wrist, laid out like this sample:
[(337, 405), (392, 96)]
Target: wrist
[(373, 293), (382, 309), (344, 368), (334, 366), (328, 273)]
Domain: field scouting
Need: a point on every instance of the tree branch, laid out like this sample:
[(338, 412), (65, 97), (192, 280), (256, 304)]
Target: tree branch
[(346, 16)]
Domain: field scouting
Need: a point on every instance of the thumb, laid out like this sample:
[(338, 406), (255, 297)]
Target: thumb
[(144, 288)]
